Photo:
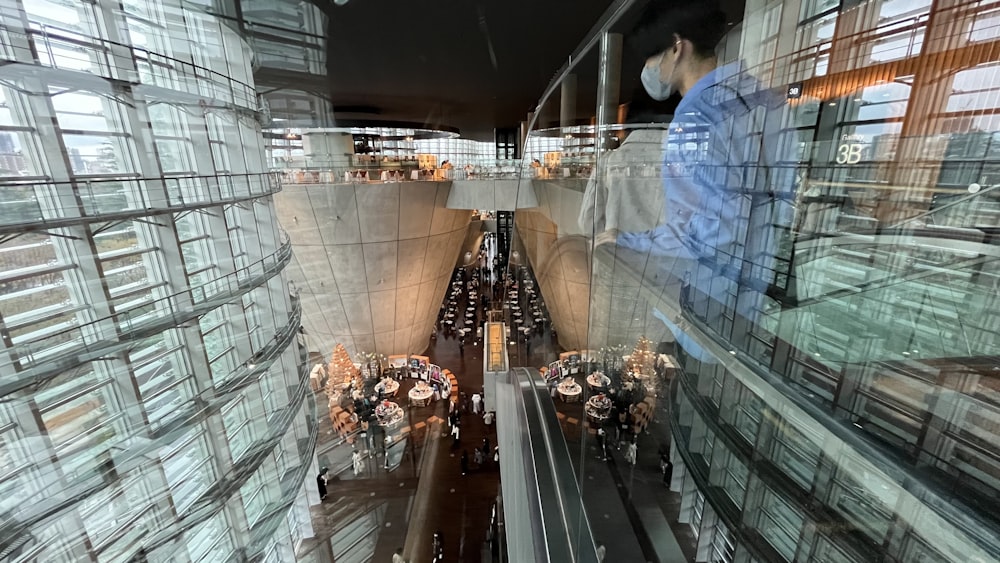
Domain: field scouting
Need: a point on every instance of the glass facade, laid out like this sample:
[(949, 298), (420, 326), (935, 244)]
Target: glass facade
[(830, 310), (153, 389)]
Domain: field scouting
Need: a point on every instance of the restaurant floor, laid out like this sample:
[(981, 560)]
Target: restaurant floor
[(366, 517)]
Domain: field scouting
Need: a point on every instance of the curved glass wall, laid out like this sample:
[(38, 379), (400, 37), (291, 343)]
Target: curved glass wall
[(152, 389), (807, 235)]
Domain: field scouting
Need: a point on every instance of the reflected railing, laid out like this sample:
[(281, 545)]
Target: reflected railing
[(879, 301), (884, 342), (42, 359), (121, 197), (833, 259)]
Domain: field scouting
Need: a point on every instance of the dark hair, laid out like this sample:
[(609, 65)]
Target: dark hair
[(701, 23), (643, 109)]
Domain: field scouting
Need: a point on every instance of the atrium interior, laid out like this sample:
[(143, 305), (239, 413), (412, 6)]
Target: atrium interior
[(630, 280)]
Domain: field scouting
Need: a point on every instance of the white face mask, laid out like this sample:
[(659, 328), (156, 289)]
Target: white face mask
[(657, 89)]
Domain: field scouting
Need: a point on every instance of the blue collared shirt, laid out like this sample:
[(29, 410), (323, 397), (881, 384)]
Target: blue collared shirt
[(727, 192)]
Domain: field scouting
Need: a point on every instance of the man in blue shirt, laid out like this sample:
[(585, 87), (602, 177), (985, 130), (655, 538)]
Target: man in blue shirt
[(727, 198)]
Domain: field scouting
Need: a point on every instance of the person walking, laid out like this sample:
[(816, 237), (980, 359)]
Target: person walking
[(455, 432), (366, 437), (321, 481), (465, 462), (601, 445), (476, 403), (622, 429), (479, 457), (386, 443), (667, 467), (356, 460), (631, 451)]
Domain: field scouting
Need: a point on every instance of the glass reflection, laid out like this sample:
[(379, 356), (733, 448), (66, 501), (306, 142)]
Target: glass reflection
[(809, 235)]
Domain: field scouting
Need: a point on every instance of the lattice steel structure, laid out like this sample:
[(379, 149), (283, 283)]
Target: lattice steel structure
[(153, 391)]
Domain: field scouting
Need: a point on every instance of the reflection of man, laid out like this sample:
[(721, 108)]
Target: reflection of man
[(626, 191), (725, 204)]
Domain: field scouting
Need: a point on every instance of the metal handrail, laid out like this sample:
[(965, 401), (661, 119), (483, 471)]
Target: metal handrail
[(607, 19), (558, 516)]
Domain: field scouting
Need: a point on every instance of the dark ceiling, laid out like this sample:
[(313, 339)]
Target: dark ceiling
[(471, 65)]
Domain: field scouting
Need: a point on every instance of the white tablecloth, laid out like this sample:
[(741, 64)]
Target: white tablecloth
[(598, 380), (421, 394)]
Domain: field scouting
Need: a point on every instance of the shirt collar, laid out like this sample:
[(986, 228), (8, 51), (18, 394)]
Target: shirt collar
[(717, 75)]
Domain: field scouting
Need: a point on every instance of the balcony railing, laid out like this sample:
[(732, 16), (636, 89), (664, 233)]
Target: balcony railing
[(123, 197), (40, 360)]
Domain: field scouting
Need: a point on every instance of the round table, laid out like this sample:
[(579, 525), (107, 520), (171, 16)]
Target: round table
[(388, 413), (598, 408), (598, 380), (388, 386), (421, 394), (470, 314), (570, 391)]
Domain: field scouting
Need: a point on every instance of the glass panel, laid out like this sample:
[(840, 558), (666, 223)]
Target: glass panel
[(188, 468), (779, 524), (97, 155)]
